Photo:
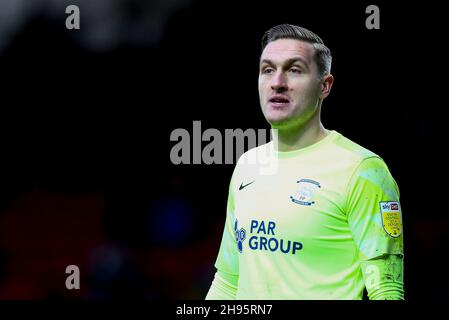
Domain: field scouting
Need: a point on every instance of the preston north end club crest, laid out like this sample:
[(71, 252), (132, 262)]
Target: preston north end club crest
[(306, 191)]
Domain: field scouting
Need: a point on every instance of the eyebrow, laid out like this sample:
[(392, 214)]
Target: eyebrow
[(287, 62)]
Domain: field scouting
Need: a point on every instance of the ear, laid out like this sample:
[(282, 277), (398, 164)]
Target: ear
[(326, 85)]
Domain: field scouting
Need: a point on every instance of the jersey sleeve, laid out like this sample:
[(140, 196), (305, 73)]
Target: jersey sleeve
[(224, 287), (228, 259), (384, 278), (374, 211)]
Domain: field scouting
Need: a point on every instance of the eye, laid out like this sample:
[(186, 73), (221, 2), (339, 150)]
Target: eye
[(295, 70), (267, 70)]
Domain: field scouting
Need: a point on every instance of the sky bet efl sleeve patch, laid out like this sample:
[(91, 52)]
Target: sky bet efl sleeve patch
[(391, 218)]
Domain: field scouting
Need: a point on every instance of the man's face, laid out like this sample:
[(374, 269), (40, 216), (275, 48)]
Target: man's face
[(289, 83)]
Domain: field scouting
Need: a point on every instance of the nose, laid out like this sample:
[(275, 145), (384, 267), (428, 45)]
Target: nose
[(279, 82)]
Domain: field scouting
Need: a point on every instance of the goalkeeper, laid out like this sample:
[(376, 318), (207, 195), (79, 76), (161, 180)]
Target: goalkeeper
[(327, 223)]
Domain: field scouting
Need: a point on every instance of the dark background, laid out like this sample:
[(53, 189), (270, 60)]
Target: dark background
[(86, 117)]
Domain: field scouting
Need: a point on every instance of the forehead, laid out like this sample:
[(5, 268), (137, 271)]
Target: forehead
[(283, 49)]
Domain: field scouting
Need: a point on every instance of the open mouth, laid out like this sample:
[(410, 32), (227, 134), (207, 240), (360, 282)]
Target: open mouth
[(279, 101)]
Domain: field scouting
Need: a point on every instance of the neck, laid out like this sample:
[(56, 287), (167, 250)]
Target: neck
[(301, 137)]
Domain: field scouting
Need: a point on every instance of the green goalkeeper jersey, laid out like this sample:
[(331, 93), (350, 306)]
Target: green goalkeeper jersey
[(301, 229)]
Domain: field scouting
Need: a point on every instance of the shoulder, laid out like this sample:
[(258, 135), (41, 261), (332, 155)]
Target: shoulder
[(249, 164), (368, 169), (360, 163), (357, 157), (255, 155), (353, 151)]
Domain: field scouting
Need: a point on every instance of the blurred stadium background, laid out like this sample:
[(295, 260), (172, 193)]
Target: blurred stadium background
[(86, 116)]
